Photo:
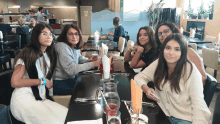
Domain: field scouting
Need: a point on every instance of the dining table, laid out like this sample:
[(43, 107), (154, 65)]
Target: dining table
[(87, 84), (196, 40)]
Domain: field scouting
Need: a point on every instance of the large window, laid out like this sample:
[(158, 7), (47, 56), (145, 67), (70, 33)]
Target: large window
[(199, 9)]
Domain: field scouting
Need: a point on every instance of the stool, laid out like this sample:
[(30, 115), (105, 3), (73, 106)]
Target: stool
[(3, 60)]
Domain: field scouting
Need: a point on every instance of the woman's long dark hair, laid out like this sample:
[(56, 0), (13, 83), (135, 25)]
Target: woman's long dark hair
[(63, 37), (150, 33), (171, 26), (32, 52), (180, 69)]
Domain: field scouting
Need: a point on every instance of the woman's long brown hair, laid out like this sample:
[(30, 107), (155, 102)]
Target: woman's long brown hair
[(32, 51), (180, 69)]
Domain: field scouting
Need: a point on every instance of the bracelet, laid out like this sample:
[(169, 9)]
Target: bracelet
[(45, 82), (41, 82), (139, 51)]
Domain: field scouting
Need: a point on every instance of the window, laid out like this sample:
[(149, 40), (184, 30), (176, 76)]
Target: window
[(199, 9)]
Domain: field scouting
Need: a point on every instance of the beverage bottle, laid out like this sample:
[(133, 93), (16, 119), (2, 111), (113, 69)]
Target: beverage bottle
[(101, 32)]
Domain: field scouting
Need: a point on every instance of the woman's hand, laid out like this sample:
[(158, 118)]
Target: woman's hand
[(49, 84), (140, 48), (110, 34), (148, 92), (133, 48), (97, 63), (94, 58)]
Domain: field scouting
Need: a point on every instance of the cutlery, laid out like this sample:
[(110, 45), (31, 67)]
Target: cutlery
[(143, 103)]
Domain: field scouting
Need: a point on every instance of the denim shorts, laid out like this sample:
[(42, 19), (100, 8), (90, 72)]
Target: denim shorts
[(64, 87), (174, 120)]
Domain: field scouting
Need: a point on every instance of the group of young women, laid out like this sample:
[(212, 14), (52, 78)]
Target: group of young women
[(175, 69)]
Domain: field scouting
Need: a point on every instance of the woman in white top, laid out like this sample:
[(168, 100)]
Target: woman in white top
[(176, 83), (31, 100)]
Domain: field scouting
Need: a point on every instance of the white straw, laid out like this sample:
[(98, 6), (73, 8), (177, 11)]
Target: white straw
[(105, 101)]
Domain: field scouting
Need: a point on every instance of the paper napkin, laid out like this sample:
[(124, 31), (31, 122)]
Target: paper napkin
[(136, 97), (98, 121)]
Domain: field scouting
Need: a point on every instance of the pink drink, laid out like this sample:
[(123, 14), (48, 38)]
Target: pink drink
[(112, 66), (113, 107), (101, 69)]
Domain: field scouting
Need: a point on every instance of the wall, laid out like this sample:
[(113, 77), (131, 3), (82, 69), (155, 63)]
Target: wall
[(212, 27), (97, 5)]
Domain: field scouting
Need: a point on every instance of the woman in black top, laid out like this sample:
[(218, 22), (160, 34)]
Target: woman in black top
[(143, 52)]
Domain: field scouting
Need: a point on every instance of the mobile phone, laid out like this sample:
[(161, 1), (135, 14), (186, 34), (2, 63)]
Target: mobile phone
[(154, 96)]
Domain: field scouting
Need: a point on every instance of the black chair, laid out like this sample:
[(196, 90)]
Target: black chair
[(216, 114), (186, 33), (25, 38), (4, 114), (14, 48), (4, 58), (209, 89), (5, 88), (199, 36)]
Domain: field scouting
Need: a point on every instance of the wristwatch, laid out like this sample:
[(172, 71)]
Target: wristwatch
[(139, 51)]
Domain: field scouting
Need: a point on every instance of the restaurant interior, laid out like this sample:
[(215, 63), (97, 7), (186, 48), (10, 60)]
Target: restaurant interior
[(198, 20)]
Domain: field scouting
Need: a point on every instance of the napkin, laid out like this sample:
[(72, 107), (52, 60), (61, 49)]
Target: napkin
[(96, 34), (218, 38), (99, 121), (181, 30), (1, 35), (105, 49), (136, 97), (106, 67), (192, 33)]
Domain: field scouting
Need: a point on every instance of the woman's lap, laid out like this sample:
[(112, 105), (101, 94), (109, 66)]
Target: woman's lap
[(174, 120), (64, 87)]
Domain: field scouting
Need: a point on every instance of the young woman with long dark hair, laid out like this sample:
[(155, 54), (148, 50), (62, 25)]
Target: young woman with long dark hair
[(31, 100), (144, 49), (178, 83), (165, 29)]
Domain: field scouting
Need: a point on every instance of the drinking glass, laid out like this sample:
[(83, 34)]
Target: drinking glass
[(114, 117)]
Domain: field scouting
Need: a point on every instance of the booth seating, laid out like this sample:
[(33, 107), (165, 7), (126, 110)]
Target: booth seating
[(14, 48)]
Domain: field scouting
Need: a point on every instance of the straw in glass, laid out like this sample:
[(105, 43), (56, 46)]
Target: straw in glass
[(127, 108), (105, 101)]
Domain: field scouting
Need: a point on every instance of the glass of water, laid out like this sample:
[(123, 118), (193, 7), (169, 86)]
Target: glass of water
[(114, 117)]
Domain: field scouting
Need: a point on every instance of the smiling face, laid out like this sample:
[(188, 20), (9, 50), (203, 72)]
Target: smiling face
[(163, 32), (45, 38), (172, 52), (143, 37), (72, 36)]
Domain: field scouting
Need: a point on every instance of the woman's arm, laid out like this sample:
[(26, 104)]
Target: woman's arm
[(128, 55), (200, 112), (195, 58), (136, 61), (17, 79)]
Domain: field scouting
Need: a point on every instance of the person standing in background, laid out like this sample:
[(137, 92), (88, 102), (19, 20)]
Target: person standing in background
[(40, 15)]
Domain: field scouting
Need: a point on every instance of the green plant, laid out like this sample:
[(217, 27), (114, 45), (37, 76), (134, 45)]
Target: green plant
[(190, 11), (154, 13), (211, 7), (201, 10)]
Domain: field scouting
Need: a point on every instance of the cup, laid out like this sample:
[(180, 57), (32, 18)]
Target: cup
[(114, 117), (138, 119)]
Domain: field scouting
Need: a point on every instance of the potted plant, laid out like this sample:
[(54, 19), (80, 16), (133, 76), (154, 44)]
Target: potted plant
[(211, 9), (154, 13), (201, 11), (190, 10)]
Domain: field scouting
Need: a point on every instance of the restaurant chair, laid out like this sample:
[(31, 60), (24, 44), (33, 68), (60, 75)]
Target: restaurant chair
[(210, 38), (199, 36), (129, 44), (193, 45), (85, 38), (4, 114), (13, 49), (210, 59), (216, 114), (25, 39), (121, 45), (209, 89), (62, 100), (4, 58)]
